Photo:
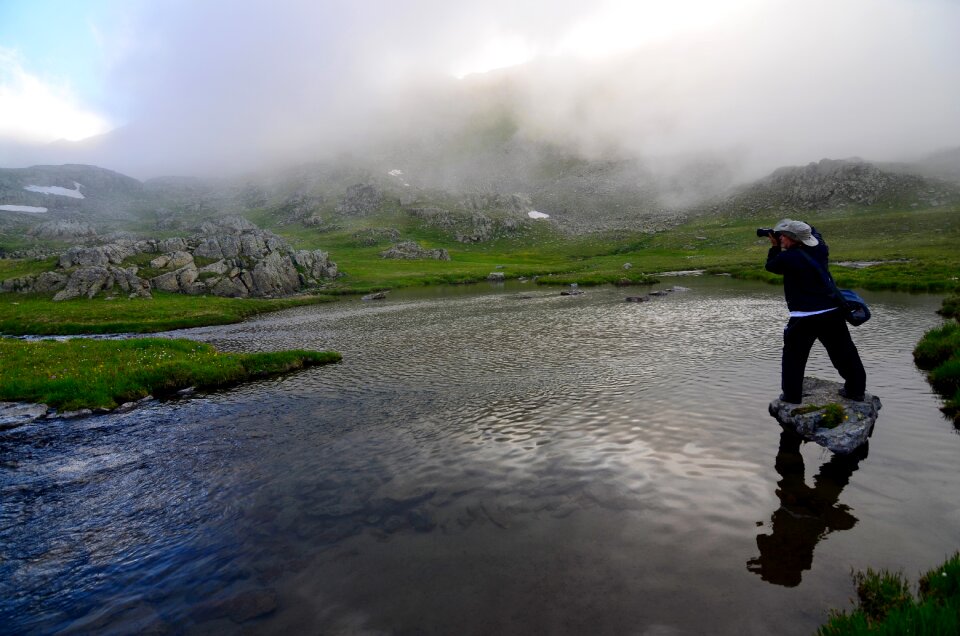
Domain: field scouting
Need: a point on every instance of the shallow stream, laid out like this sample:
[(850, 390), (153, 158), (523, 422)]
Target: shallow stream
[(485, 460)]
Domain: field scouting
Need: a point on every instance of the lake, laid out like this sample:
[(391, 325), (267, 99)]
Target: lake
[(487, 459)]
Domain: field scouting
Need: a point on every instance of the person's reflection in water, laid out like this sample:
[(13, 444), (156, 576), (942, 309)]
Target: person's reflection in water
[(806, 514)]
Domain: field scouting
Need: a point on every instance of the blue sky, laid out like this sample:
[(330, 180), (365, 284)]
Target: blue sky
[(56, 39)]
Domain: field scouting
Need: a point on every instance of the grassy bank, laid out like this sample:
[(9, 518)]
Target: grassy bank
[(886, 604), (84, 373), (21, 314), (916, 249), (938, 353)]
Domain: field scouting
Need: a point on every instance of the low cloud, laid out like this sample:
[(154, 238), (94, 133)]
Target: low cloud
[(230, 86)]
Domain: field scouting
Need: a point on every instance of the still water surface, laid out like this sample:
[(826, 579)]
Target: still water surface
[(485, 460)]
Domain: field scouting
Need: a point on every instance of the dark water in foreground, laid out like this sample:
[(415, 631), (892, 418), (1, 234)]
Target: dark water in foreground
[(482, 463)]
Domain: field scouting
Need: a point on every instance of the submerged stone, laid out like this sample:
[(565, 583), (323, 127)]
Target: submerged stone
[(826, 418)]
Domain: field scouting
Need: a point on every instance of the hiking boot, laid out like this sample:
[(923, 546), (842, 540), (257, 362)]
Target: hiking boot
[(856, 398), (783, 398)]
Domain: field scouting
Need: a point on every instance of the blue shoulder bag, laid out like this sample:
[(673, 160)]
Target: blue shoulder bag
[(854, 308)]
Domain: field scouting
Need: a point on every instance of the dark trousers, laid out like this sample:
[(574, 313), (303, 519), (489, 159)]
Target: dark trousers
[(831, 330)]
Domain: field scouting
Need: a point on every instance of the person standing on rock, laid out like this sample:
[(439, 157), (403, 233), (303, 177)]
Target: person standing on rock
[(814, 311)]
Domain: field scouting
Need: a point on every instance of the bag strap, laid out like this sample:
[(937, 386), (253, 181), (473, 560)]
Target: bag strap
[(831, 284)]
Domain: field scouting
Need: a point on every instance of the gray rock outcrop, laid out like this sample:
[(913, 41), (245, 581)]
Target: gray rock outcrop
[(63, 230), (110, 254), (91, 280), (360, 200), (823, 417), (468, 227), (247, 262), (412, 250)]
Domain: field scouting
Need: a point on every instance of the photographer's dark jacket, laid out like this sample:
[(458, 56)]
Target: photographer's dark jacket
[(803, 284)]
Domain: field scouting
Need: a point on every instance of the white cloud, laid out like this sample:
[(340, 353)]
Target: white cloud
[(35, 111)]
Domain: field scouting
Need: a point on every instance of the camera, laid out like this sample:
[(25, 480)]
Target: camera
[(767, 231)]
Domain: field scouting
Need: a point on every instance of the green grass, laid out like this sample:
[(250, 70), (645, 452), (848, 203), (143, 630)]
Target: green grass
[(833, 414), (25, 314), (918, 245), (938, 353), (84, 373), (886, 605)]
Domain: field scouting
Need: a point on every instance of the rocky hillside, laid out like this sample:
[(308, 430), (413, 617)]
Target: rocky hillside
[(835, 184), (470, 191)]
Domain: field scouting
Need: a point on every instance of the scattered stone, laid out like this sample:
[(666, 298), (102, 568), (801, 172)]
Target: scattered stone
[(69, 415), (637, 299), (375, 296), (823, 417), (628, 266), (13, 414), (864, 264), (496, 277)]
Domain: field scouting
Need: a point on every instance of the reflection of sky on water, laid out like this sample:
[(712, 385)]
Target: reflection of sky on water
[(483, 464)]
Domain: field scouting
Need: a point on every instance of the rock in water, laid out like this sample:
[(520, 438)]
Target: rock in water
[(824, 417)]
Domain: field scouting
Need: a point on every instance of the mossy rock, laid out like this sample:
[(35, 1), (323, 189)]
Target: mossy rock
[(826, 418)]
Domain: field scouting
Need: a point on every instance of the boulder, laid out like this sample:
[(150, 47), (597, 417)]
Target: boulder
[(315, 264), (232, 224), (228, 287), (166, 282), (175, 244), (209, 248), (44, 283), (360, 200), (274, 275), (823, 417), (160, 262), (412, 250), (86, 281), (110, 254), (90, 281), (220, 267), (179, 259), (14, 414)]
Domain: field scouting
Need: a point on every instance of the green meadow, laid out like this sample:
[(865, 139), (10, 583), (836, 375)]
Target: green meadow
[(85, 373)]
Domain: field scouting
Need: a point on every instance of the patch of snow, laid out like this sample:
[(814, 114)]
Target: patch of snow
[(533, 214), (399, 175), (57, 190), (23, 208)]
